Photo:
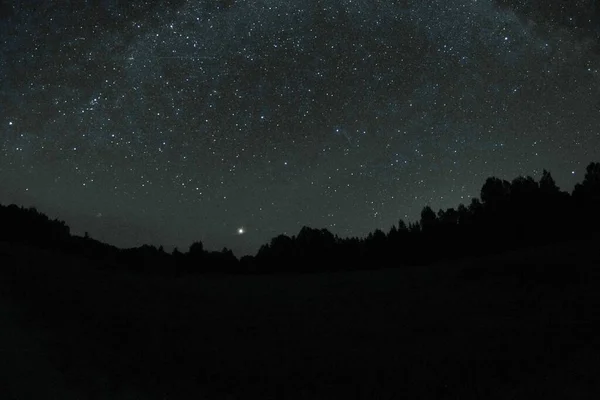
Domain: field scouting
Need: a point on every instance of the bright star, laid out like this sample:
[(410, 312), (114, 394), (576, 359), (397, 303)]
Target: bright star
[(241, 231)]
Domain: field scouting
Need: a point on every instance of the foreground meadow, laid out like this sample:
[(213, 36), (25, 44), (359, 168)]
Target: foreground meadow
[(520, 325)]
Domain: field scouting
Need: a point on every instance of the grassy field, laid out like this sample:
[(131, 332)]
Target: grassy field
[(518, 326)]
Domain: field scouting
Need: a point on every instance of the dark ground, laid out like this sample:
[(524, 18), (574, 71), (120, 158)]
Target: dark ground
[(519, 326)]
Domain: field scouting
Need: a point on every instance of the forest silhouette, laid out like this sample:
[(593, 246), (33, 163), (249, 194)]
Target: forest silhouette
[(507, 216)]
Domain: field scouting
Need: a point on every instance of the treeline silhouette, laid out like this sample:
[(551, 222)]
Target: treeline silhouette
[(508, 215)]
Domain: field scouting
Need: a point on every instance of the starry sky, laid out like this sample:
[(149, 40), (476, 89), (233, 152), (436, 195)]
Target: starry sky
[(232, 121)]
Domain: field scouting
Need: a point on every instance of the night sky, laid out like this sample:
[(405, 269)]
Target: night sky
[(233, 121)]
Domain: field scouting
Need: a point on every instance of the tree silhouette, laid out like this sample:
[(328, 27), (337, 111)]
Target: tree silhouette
[(495, 193), (195, 259), (428, 219), (30, 226), (586, 196), (278, 254), (589, 189), (221, 261), (547, 184), (375, 246), (448, 218), (523, 189), (196, 249), (463, 215)]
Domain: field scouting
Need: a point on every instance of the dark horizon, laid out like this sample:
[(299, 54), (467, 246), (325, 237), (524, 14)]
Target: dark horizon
[(508, 215), (110, 235)]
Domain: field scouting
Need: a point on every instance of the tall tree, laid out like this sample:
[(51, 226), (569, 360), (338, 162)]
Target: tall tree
[(428, 219), (547, 184), (495, 192), (589, 189), (196, 249)]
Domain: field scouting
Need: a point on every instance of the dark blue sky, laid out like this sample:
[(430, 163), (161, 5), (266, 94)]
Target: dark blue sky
[(165, 124)]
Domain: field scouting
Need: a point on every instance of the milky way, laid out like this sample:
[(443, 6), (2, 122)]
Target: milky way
[(233, 121)]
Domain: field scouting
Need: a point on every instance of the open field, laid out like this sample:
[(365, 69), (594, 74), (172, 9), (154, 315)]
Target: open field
[(521, 325)]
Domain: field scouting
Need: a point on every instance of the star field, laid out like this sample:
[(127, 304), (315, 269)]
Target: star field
[(233, 121)]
